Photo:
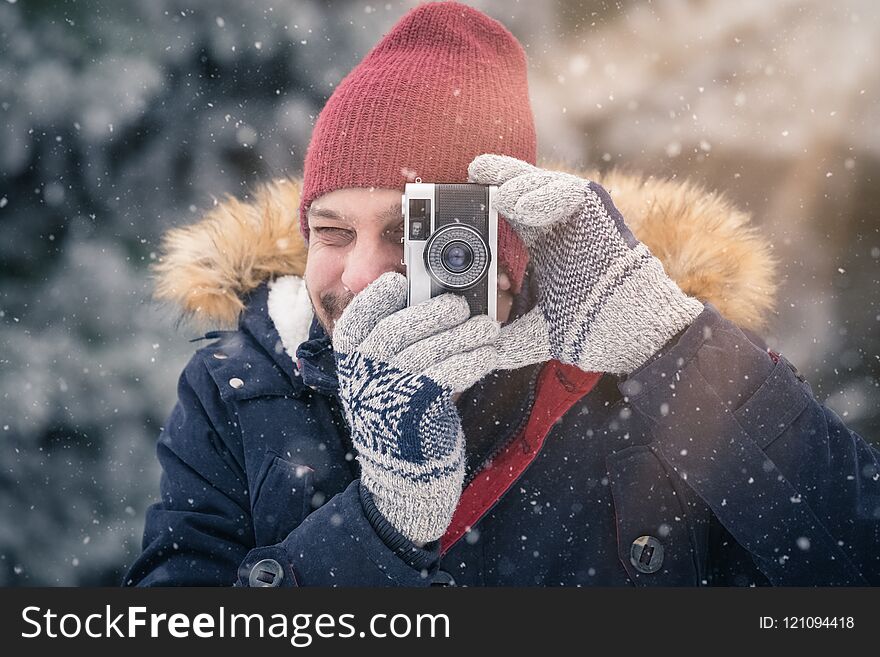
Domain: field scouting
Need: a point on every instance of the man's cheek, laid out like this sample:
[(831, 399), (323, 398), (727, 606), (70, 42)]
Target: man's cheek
[(320, 271)]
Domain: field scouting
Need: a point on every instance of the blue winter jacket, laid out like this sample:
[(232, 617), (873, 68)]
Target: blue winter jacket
[(711, 465)]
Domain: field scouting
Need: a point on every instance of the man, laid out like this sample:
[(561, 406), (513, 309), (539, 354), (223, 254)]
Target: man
[(608, 429)]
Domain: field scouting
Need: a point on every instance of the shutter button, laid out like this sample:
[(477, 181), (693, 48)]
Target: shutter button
[(267, 572), (646, 554)]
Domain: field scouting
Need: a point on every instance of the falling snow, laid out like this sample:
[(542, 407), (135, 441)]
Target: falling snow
[(119, 125)]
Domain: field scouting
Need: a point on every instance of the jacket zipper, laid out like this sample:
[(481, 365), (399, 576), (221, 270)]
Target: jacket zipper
[(504, 444)]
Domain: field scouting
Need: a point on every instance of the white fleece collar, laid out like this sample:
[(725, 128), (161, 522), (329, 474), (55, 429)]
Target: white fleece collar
[(291, 311)]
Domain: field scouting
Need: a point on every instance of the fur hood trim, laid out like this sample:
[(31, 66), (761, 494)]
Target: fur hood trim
[(706, 245), (206, 269)]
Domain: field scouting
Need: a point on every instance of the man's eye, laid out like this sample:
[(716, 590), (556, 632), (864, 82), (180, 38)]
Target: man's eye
[(334, 234)]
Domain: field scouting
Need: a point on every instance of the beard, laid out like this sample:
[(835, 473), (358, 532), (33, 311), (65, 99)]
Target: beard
[(329, 308)]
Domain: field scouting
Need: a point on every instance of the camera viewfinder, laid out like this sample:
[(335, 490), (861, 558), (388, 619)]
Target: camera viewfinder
[(419, 218)]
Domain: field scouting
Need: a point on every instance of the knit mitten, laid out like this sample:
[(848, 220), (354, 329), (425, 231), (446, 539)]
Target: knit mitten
[(605, 302), (398, 368)]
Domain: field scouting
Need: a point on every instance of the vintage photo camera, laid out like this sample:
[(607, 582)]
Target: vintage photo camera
[(450, 243)]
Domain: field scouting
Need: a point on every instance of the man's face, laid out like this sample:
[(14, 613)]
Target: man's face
[(354, 237)]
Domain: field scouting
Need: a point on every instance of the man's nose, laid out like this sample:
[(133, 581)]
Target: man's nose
[(366, 262)]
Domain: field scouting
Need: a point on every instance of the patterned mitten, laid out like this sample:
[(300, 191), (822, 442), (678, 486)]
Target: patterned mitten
[(398, 368), (605, 303)]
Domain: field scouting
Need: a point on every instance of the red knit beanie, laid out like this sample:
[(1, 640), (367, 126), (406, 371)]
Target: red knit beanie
[(446, 84)]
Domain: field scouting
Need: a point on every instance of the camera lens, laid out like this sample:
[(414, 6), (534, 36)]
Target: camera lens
[(457, 257)]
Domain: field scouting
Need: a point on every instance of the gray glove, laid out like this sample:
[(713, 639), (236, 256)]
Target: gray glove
[(605, 303), (398, 368)]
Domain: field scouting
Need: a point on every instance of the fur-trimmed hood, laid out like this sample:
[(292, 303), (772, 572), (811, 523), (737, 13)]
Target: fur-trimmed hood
[(706, 245)]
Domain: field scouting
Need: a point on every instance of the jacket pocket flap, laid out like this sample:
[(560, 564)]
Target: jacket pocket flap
[(655, 538)]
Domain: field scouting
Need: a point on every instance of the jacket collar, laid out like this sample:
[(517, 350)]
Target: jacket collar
[(257, 321), (317, 362), (305, 362)]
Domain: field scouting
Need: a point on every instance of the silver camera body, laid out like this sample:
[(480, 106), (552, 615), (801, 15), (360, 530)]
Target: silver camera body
[(450, 243)]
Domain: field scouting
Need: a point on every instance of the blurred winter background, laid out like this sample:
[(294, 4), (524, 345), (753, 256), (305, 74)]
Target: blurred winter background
[(119, 119)]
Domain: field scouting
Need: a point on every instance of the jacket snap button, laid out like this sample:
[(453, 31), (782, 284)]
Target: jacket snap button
[(267, 572), (219, 355), (646, 554), (236, 383)]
